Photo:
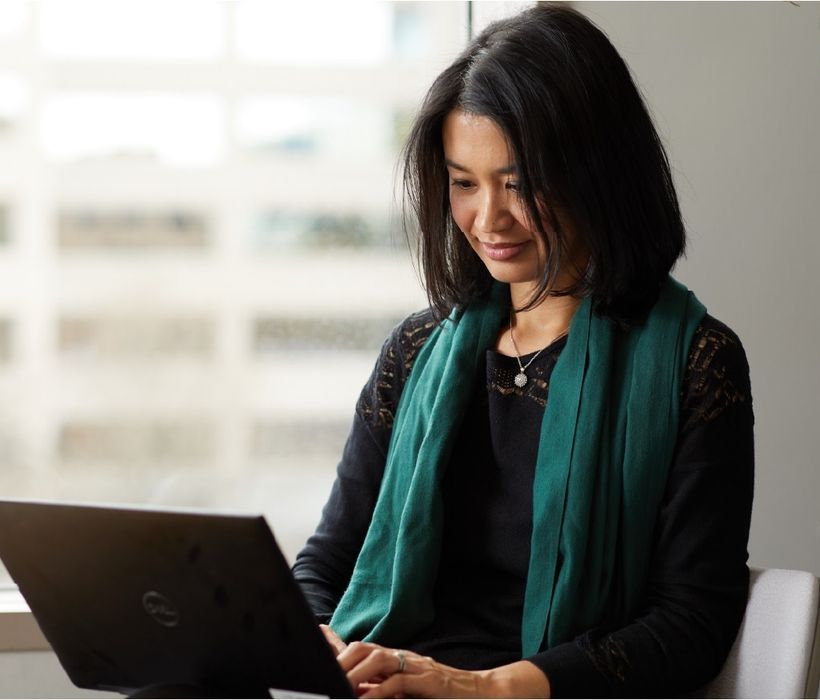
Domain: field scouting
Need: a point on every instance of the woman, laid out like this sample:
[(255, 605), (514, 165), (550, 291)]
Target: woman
[(547, 487)]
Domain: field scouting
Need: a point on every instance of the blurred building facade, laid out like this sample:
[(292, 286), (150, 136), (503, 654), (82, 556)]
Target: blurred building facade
[(200, 247)]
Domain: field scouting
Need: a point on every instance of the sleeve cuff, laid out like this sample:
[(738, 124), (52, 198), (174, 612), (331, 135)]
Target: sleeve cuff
[(571, 672)]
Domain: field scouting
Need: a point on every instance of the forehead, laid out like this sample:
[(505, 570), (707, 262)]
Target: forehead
[(470, 138)]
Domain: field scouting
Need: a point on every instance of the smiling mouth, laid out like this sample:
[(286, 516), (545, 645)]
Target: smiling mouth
[(502, 251)]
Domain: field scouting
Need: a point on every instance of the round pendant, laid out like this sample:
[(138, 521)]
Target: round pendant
[(520, 380)]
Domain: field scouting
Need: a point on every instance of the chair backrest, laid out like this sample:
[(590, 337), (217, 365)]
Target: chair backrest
[(776, 652)]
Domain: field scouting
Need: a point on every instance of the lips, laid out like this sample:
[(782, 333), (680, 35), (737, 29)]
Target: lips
[(502, 251)]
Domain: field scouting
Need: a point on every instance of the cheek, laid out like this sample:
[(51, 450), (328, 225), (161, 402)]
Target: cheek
[(522, 218), (461, 214)]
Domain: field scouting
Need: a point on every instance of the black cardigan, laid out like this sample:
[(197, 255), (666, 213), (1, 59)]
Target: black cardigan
[(698, 582)]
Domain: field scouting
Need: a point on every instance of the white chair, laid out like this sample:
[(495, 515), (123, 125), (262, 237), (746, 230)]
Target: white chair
[(777, 650)]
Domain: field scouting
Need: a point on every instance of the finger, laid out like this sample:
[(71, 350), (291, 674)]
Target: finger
[(424, 678), (355, 653), (376, 666), (400, 685), (387, 689), (335, 641)]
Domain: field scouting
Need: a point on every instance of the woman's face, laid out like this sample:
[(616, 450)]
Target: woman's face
[(487, 208), (484, 199)]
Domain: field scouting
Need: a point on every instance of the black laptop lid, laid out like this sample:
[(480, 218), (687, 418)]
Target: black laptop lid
[(130, 598)]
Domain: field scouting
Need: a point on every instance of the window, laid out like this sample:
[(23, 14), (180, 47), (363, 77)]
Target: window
[(116, 229), (352, 34), (6, 330), (5, 224), (283, 229), (206, 252), (148, 338), (12, 102), (320, 334), (132, 30), (176, 130), (289, 441), (332, 128), (149, 444), (12, 17)]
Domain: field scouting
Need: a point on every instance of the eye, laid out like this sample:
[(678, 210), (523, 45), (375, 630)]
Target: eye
[(461, 184), (512, 186)]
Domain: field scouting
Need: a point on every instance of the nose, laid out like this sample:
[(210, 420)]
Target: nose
[(493, 214)]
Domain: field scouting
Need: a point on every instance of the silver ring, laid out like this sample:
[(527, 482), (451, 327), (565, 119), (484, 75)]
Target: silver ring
[(402, 661)]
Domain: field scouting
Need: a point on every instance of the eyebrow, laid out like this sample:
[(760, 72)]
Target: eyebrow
[(507, 170)]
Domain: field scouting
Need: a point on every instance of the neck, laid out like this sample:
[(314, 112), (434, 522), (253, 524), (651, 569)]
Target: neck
[(539, 326)]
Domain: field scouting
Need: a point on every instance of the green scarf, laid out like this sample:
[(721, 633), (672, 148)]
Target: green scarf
[(607, 439)]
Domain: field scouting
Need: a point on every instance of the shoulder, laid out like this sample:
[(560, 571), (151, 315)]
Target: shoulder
[(717, 373), (408, 337), (380, 396)]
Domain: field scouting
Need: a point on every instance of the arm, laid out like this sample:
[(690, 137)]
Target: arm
[(324, 566), (698, 583), (379, 672)]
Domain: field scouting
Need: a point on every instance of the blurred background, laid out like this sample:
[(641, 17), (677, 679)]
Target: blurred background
[(201, 253), (200, 249)]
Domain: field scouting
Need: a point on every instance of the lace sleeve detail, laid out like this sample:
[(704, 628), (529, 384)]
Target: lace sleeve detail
[(380, 397), (608, 654), (717, 374)]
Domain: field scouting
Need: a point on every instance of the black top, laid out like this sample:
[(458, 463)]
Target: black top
[(698, 579)]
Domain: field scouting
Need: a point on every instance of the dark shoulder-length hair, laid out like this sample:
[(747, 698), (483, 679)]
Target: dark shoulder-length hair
[(583, 143)]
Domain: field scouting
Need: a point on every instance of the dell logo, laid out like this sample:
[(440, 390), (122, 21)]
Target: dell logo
[(160, 608)]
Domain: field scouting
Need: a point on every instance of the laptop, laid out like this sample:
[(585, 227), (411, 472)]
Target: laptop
[(131, 598)]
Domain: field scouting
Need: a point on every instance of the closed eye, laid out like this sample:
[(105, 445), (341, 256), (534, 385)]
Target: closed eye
[(461, 184)]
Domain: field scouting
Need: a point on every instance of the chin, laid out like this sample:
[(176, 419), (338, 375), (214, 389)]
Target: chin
[(509, 277), (518, 272)]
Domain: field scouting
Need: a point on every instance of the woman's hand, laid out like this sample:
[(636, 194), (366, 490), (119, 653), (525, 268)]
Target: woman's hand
[(335, 641), (378, 672)]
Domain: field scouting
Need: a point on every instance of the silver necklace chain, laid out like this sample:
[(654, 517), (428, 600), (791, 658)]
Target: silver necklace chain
[(521, 378)]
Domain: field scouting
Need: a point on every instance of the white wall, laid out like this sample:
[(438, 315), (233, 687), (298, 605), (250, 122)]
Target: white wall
[(735, 90)]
